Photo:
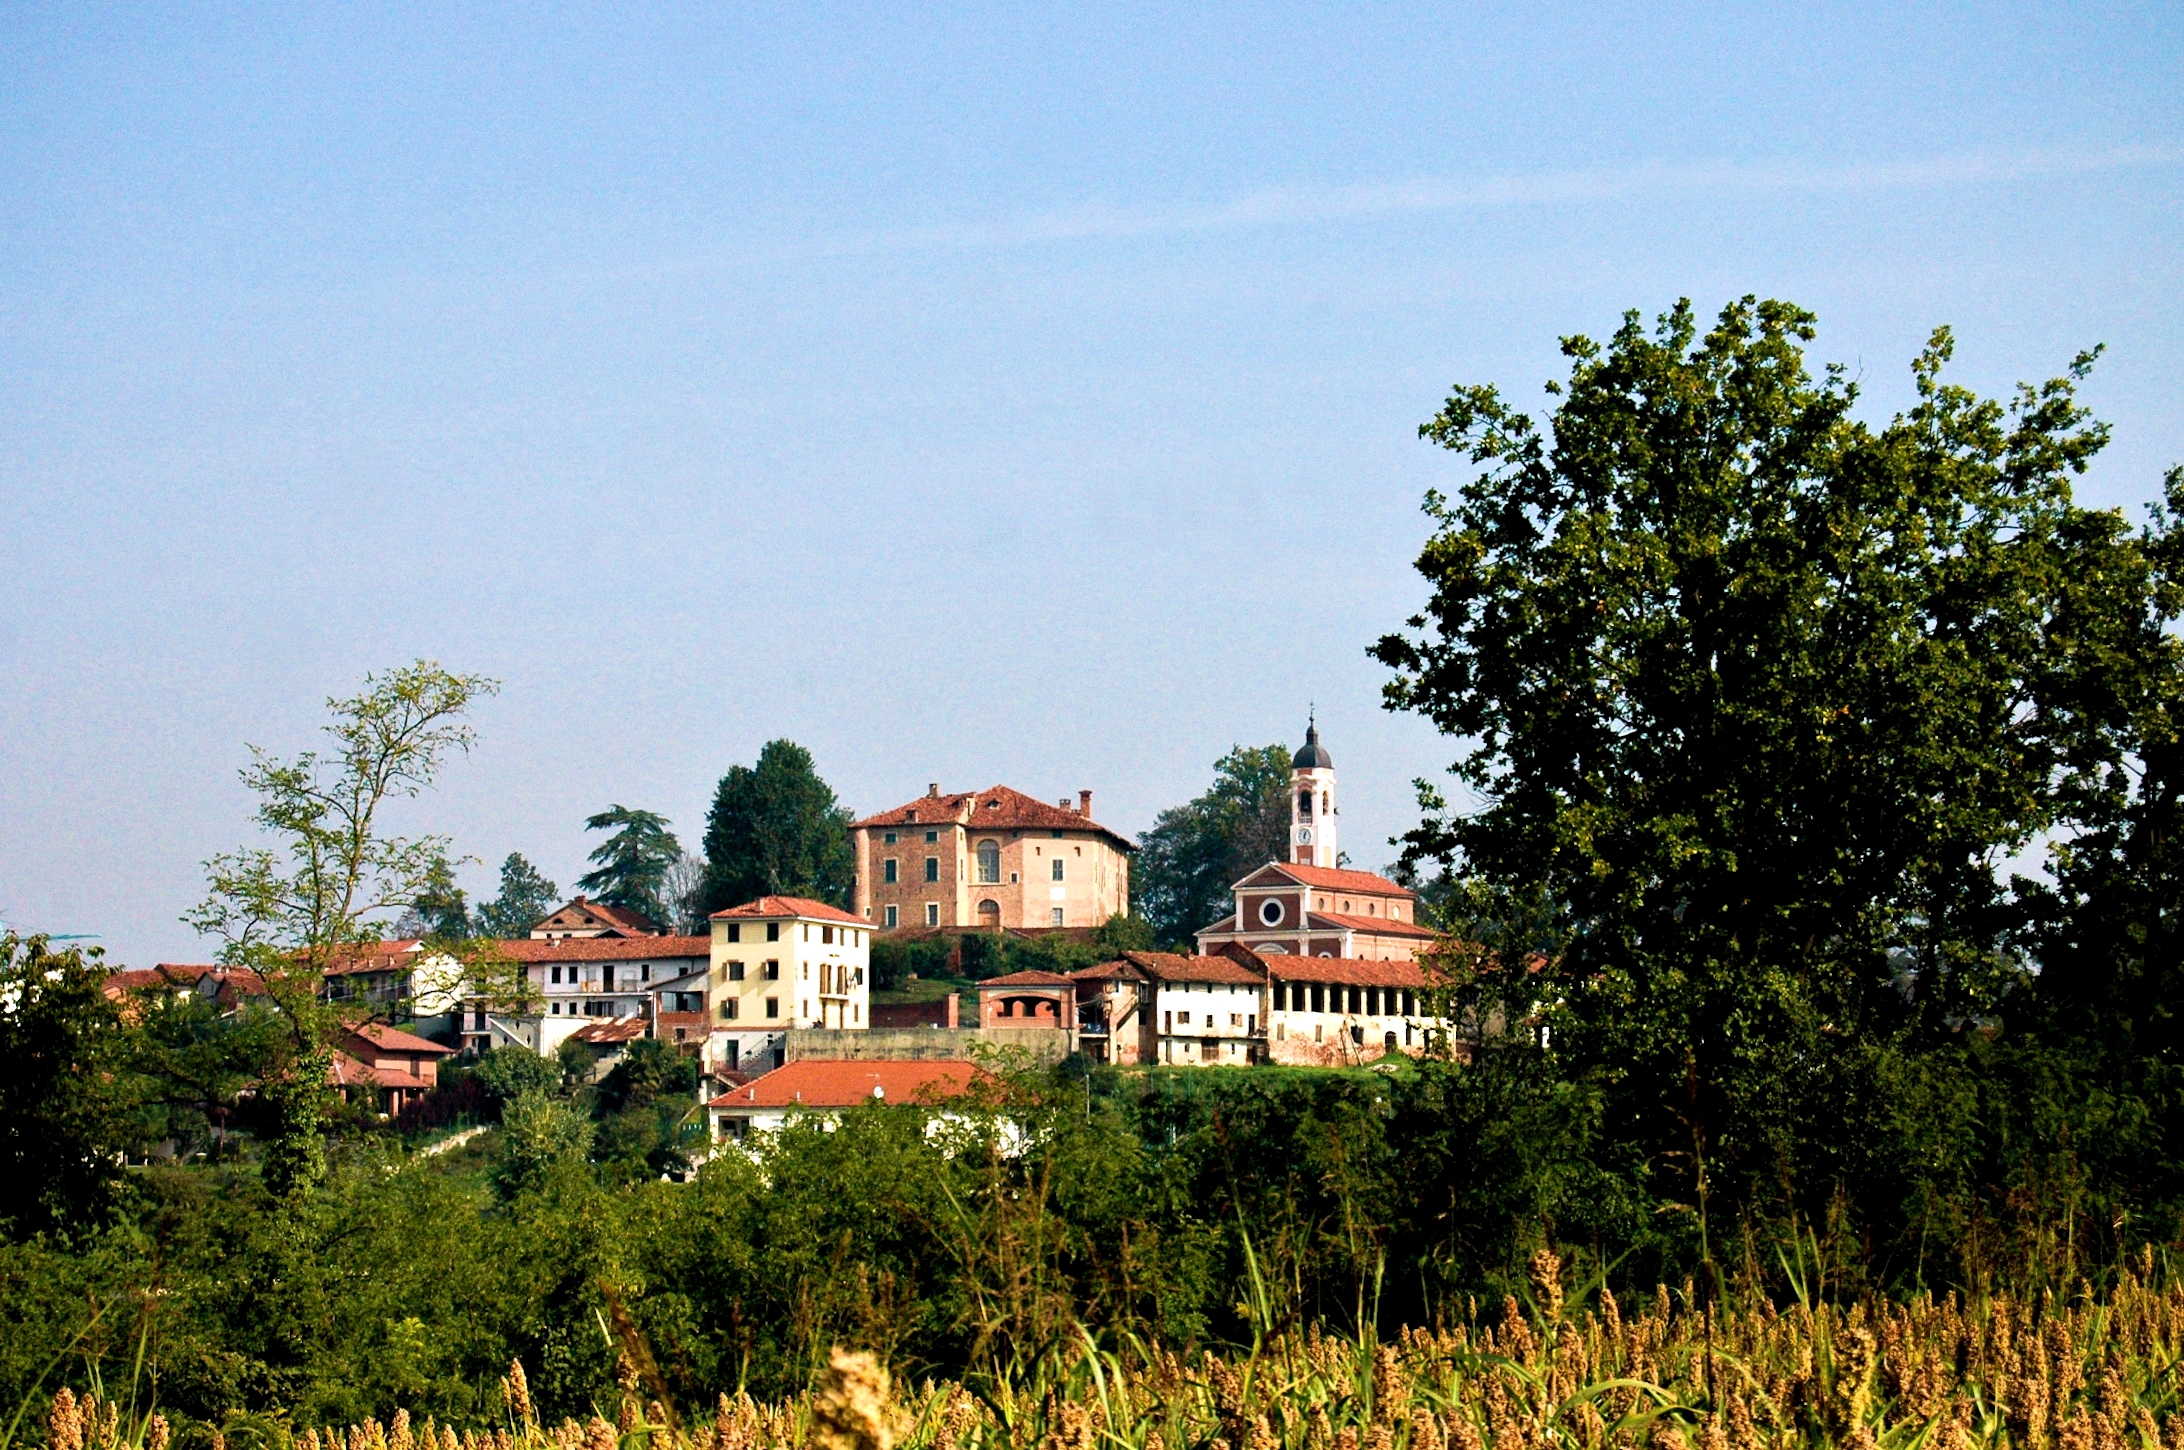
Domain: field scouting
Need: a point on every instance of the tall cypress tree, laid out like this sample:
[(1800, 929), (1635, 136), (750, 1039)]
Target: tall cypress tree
[(525, 897), (777, 829)]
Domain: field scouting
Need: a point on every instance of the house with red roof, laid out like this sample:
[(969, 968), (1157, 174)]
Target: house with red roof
[(578, 981), (782, 963), (1341, 1011), (386, 1067), (943, 1089), (989, 860), (585, 917), (728, 997), (1167, 1007), (227, 988)]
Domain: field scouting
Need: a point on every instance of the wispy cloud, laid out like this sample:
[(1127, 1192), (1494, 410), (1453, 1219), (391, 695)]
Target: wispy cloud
[(1366, 201)]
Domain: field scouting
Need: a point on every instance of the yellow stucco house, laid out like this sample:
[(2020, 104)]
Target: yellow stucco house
[(784, 962)]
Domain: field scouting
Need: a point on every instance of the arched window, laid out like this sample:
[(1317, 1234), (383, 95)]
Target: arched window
[(989, 862), (1304, 803)]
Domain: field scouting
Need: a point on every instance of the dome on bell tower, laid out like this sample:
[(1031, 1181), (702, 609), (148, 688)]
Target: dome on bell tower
[(1314, 756)]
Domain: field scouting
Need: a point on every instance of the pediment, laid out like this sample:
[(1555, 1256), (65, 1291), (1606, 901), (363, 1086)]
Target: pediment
[(1271, 874)]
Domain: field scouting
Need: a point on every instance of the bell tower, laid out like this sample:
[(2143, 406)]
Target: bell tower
[(1312, 813)]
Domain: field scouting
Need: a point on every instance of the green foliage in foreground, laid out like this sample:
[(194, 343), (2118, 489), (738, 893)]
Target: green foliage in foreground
[(63, 1111), (1147, 1204), (1753, 701), (1754, 697)]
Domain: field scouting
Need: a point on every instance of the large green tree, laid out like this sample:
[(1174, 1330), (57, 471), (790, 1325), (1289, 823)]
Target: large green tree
[(526, 897), (777, 829), (633, 863), (65, 1097), (1756, 697), (330, 876), (441, 912), (1185, 865)]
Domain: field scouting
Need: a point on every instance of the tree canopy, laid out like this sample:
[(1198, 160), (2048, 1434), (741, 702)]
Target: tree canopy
[(64, 1103), (1185, 865), (634, 862), (526, 897), (777, 829), (1758, 700), (290, 909)]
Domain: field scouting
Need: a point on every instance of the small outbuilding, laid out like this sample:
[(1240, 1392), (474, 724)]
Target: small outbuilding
[(818, 1085)]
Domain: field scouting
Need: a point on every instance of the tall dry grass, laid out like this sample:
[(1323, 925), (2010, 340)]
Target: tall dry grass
[(2084, 1373)]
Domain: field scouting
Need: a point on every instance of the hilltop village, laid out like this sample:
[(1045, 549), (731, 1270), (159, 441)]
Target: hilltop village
[(1316, 966)]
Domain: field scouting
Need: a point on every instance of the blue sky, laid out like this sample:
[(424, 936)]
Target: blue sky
[(972, 394)]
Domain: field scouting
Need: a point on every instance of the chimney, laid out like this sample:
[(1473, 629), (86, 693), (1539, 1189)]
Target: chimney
[(1084, 803), (933, 789), (1063, 803)]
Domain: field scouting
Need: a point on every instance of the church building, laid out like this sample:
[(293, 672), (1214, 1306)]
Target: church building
[(1339, 949), (1309, 906)]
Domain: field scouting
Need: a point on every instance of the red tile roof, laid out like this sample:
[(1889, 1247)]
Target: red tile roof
[(779, 907), (606, 1034), (1175, 967), (384, 956), (619, 916), (1346, 971), (605, 948), (168, 976), (813, 1083), (1328, 878), (1028, 979), (1117, 971), (394, 1039), (346, 1071), (1378, 925), (996, 808)]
